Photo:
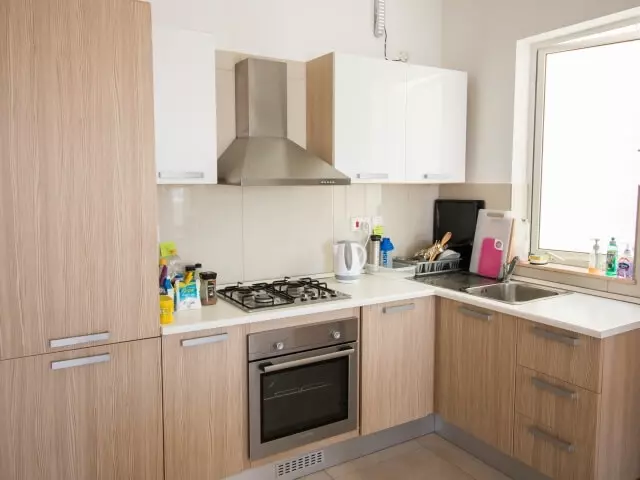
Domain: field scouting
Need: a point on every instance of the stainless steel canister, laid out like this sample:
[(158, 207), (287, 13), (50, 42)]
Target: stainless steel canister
[(373, 253)]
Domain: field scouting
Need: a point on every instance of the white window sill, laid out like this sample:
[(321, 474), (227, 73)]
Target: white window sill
[(569, 271)]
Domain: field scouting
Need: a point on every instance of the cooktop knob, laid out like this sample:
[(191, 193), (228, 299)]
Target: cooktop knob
[(336, 335), (279, 346)]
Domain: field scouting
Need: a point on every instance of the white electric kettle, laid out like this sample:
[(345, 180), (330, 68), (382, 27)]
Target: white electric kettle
[(349, 259)]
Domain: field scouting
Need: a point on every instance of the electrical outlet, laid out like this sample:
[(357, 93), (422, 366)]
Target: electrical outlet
[(356, 224)]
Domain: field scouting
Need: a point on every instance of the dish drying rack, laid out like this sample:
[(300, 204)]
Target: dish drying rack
[(429, 268)]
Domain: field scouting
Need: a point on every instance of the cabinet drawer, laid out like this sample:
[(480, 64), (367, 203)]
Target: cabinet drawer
[(551, 454), (570, 411), (565, 355)]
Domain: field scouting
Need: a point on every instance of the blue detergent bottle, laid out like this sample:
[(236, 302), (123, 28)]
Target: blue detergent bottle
[(386, 247)]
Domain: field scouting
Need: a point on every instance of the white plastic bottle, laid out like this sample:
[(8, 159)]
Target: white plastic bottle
[(625, 264)]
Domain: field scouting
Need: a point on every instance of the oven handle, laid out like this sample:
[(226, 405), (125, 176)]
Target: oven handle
[(269, 367)]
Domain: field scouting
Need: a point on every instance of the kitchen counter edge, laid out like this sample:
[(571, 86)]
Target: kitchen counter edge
[(225, 315)]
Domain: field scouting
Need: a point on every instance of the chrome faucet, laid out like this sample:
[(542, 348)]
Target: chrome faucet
[(507, 270)]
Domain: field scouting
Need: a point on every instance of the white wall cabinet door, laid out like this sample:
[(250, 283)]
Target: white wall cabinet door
[(185, 106), (436, 125), (369, 118)]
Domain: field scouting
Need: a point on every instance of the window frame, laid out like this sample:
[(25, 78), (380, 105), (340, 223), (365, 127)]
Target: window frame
[(575, 259)]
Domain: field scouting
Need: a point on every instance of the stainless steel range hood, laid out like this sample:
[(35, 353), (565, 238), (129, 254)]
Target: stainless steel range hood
[(262, 155)]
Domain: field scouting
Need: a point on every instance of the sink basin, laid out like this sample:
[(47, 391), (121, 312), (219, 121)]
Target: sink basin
[(515, 292)]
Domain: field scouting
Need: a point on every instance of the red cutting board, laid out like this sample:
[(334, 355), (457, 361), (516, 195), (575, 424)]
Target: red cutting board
[(490, 261)]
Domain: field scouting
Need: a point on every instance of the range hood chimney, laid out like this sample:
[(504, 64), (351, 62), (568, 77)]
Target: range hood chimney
[(261, 154)]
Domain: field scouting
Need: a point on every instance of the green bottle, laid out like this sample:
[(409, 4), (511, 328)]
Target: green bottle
[(612, 258)]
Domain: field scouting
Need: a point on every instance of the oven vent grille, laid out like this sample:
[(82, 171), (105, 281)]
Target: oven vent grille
[(300, 463)]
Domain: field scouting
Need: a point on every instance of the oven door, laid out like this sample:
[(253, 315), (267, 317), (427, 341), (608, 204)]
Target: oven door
[(301, 398)]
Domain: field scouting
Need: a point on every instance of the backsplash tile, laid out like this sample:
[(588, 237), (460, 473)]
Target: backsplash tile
[(255, 233), (287, 231), (206, 223), (407, 211)]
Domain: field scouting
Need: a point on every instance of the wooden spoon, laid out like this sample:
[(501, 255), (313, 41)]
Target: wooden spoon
[(439, 247)]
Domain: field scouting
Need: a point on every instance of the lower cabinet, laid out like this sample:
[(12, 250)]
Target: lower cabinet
[(205, 404), (397, 342), (93, 413), (475, 371)]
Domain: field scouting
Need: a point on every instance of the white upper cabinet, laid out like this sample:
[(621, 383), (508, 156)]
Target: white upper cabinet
[(436, 125), (185, 106), (369, 118), (380, 121)]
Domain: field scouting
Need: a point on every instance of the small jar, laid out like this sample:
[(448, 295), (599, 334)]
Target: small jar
[(208, 282)]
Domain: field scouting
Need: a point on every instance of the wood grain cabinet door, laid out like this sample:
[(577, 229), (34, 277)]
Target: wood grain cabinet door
[(475, 371), (93, 413), (397, 341), (205, 404), (77, 188)]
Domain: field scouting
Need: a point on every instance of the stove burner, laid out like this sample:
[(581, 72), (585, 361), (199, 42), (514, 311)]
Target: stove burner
[(278, 294), (295, 290), (263, 298)]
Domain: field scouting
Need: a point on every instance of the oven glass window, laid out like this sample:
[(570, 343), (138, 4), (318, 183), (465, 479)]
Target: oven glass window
[(303, 398)]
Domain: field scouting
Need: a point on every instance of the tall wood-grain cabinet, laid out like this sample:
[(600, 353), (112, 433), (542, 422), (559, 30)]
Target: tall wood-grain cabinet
[(93, 413), (475, 371), (397, 343), (77, 189), (78, 243), (205, 404), (185, 106)]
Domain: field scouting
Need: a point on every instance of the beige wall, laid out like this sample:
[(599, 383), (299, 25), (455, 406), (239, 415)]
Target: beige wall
[(480, 37), (256, 233), (497, 196)]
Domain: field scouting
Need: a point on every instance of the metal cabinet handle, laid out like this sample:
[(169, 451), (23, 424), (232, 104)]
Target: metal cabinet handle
[(556, 442), (372, 176), (66, 342), (399, 308), (193, 342), (549, 387), (79, 362), (475, 314), (180, 175), (306, 361), (556, 337), (436, 176)]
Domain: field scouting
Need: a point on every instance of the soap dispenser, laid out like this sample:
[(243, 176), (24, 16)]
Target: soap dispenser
[(595, 262)]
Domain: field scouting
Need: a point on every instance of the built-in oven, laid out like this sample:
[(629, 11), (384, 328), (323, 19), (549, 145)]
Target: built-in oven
[(303, 384)]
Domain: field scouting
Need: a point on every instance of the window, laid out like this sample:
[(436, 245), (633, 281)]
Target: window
[(586, 165)]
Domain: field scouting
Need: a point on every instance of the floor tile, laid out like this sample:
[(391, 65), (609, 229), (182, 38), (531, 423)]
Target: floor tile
[(463, 460), (339, 471), (415, 465), (317, 476)]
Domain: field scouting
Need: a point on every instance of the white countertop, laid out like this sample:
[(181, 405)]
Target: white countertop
[(587, 314)]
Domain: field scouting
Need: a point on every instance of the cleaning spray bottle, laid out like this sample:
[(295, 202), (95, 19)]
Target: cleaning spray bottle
[(625, 264)]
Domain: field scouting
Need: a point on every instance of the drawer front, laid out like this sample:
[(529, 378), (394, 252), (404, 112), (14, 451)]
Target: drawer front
[(564, 355), (551, 454), (570, 411)]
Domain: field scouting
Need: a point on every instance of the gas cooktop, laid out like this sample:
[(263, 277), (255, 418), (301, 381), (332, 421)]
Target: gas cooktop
[(279, 294)]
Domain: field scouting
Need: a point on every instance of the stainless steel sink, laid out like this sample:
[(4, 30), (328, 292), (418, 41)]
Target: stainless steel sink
[(515, 292)]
